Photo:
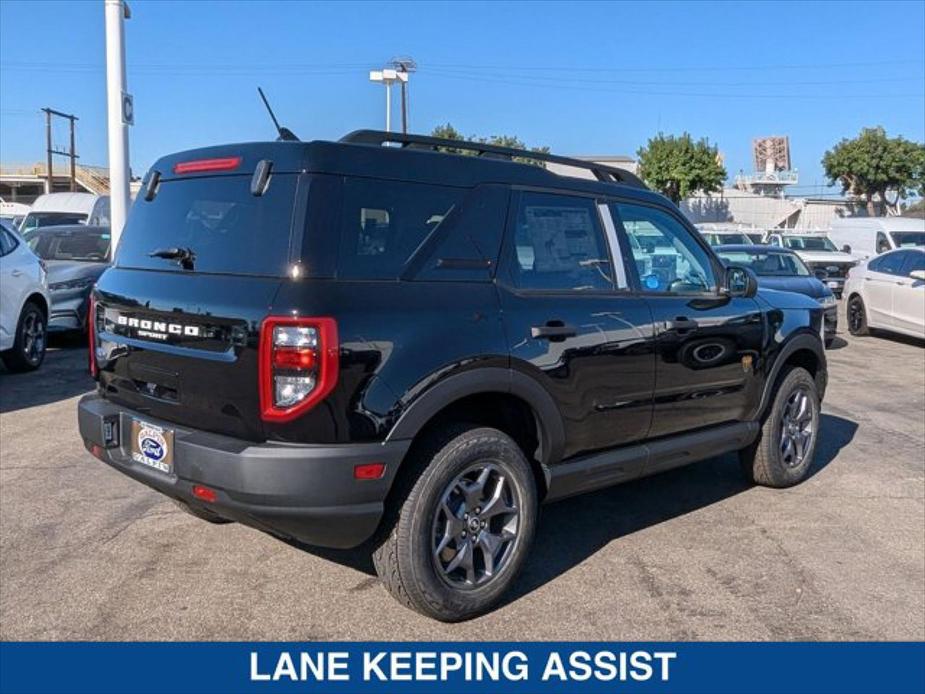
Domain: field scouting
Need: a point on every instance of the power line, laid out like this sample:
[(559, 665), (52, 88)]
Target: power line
[(685, 68)]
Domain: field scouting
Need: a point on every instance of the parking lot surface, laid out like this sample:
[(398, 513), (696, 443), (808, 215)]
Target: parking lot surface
[(86, 553)]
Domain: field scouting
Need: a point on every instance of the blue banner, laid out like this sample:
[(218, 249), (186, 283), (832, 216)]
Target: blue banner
[(457, 668)]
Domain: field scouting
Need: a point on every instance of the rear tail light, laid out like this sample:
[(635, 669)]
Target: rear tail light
[(204, 493), (91, 334), (298, 365)]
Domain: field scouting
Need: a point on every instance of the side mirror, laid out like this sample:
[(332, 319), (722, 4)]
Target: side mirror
[(918, 275), (740, 282), (821, 274), (846, 248)]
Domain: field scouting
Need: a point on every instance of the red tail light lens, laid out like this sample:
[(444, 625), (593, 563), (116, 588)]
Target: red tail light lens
[(91, 335), (299, 365), (204, 493), (200, 165)]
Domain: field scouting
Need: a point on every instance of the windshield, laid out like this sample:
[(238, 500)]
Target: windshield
[(88, 246), (767, 264), (217, 221), (35, 220), (809, 243), (732, 239), (908, 238)]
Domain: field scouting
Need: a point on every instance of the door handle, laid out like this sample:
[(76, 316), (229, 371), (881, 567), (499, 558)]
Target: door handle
[(555, 331), (681, 324)]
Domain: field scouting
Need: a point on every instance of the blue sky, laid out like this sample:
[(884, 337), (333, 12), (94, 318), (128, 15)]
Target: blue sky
[(581, 78)]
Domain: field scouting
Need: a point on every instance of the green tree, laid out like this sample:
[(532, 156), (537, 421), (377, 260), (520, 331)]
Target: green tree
[(882, 170), (448, 132), (678, 166)]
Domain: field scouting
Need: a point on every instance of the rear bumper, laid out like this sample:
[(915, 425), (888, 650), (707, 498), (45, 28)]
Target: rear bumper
[(304, 492)]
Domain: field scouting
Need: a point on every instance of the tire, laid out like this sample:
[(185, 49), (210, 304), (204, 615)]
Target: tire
[(202, 513), (428, 560), (857, 317), (28, 350), (794, 416)]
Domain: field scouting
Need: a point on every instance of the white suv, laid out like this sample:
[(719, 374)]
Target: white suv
[(23, 303)]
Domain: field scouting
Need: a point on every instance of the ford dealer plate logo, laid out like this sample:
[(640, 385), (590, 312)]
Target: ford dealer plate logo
[(152, 448)]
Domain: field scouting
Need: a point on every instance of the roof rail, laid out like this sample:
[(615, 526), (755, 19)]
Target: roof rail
[(608, 174)]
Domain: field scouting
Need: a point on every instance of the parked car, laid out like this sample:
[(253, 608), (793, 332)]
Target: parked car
[(864, 237), (819, 253), (721, 238), (13, 212), (23, 303), (345, 342), (888, 292), (781, 269), (718, 234), (66, 208), (75, 255)]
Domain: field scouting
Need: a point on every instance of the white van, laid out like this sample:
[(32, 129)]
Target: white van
[(55, 209), (870, 236)]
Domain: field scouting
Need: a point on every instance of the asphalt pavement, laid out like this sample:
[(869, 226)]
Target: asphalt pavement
[(88, 554)]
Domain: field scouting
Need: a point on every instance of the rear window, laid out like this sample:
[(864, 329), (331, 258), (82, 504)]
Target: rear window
[(228, 229), (86, 246), (37, 220), (384, 222)]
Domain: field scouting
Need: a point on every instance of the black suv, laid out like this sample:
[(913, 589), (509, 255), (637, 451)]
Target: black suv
[(383, 342)]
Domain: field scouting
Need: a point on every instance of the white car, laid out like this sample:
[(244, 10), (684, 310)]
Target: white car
[(820, 254), (23, 303), (888, 292)]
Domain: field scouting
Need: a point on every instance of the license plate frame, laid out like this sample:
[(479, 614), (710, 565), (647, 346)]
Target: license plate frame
[(152, 445)]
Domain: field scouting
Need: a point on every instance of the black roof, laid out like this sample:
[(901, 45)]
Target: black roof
[(417, 160)]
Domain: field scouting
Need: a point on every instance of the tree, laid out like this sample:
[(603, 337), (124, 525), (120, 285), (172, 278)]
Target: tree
[(678, 166), (882, 170), (448, 132)]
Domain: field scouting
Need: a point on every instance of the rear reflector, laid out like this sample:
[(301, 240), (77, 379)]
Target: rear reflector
[(369, 471), (199, 165), (204, 493)]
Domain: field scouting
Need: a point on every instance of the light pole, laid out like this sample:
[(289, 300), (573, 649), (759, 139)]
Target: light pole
[(388, 77), (120, 116)]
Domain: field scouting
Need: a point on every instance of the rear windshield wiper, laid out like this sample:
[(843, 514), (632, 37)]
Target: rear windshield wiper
[(184, 256)]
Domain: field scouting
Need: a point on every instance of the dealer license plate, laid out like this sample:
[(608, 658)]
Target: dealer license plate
[(152, 445)]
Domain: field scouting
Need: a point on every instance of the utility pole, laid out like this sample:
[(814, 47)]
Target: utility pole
[(404, 66), (50, 150), (120, 116)]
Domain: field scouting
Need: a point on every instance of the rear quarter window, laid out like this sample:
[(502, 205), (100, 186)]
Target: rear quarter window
[(384, 222), (227, 228)]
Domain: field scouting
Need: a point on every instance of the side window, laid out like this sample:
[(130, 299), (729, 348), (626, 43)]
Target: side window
[(8, 242), (384, 222), (914, 263), (666, 255), (891, 263), (559, 244), (882, 244)]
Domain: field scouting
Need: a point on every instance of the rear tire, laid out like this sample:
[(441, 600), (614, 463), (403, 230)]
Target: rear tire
[(783, 452), (464, 524), (857, 317), (31, 340)]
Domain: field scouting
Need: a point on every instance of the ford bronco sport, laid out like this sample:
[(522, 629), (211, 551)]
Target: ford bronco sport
[(376, 342)]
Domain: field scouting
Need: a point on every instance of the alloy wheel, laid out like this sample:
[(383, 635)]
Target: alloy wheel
[(797, 427), (33, 337), (476, 526)]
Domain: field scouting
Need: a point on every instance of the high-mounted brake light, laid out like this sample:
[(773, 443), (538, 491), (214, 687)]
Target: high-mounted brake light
[(299, 363), (199, 165)]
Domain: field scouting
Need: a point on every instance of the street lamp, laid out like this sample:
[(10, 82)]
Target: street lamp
[(388, 77)]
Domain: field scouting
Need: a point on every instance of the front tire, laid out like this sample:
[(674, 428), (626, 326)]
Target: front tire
[(464, 526), (783, 453), (857, 317), (28, 349)]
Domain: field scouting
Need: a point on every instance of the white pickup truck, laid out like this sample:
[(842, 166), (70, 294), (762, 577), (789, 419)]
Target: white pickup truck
[(820, 255)]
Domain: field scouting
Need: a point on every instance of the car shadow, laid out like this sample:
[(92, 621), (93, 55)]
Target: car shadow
[(572, 530), (837, 343), (62, 375), (897, 337)]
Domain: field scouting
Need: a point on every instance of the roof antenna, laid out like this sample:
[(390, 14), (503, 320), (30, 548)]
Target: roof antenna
[(284, 133)]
